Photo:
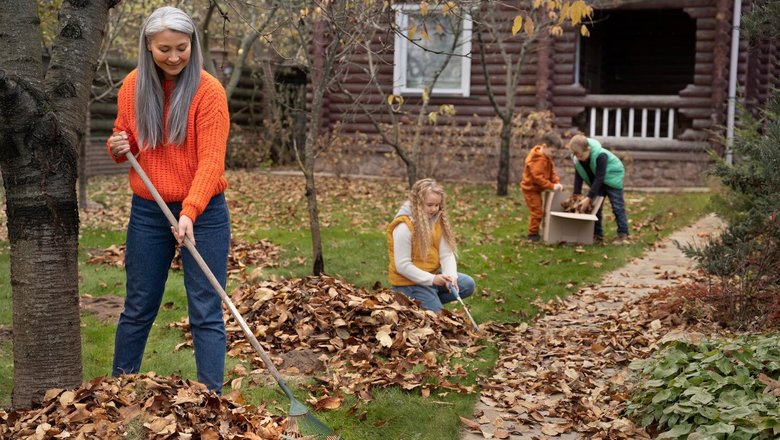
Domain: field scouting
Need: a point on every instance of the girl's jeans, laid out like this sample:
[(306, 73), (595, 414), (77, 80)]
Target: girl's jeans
[(149, 251), (433, 297)]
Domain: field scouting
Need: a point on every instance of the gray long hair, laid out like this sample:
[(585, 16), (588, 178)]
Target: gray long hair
[(149, 93)]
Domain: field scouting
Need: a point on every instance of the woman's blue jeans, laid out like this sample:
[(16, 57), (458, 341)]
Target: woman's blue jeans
[(434, 297), (149, 251), (615, 196)]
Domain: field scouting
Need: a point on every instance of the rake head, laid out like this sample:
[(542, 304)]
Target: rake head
[(303, 425)]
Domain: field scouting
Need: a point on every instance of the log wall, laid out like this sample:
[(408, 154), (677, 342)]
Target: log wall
[(548, 82)]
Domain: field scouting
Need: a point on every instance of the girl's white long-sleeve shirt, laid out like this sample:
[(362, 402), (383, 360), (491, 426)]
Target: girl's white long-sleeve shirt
[(402, 249)]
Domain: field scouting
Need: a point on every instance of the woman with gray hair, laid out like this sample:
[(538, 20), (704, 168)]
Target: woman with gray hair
[(173, 117)]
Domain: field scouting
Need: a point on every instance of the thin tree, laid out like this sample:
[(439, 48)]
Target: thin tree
[(325, 33), (501, 25), (41, 125)]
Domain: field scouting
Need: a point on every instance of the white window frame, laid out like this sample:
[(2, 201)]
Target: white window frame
[(401, 55)]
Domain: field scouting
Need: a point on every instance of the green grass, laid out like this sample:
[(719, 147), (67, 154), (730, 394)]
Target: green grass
[(510, 274)]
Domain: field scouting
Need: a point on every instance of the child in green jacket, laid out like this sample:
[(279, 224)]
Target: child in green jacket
[(603, 172)]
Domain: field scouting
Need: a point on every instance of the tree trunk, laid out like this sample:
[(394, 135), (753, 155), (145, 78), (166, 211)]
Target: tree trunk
[(311, 191), (41, 126), (502, 187), (411, 173), (320, 77), (318, 265), (83, 145)]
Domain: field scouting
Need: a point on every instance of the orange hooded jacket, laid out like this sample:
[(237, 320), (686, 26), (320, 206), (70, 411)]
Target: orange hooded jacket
[(539, 171)]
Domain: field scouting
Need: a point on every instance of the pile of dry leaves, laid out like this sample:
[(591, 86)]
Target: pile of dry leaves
[(364, 339), (146, 406), (259, 254)]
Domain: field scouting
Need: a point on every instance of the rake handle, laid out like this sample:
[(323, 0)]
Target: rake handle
[(460, 300), (210, 275)]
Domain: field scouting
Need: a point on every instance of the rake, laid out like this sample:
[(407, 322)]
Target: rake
[(457, 295), (300, 420)]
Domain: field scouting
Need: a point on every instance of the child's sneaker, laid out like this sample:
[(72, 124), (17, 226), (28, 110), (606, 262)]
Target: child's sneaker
[(534, 238), (622, 238)]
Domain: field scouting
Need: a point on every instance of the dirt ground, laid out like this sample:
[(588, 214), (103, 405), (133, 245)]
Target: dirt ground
[(105, 308), (6, 334)]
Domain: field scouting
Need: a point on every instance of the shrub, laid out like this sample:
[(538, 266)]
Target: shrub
[(746, 256), (714, 389)]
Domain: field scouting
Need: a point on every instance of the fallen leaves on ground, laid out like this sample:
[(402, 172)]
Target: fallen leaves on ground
[(261, 200), (242, 254), (567, 371), (364, 339), (148, 406)]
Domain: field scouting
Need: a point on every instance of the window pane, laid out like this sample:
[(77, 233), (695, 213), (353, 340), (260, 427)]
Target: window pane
[(421, 64)]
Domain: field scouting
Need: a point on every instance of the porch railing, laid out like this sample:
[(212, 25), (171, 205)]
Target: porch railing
[(632, 116)]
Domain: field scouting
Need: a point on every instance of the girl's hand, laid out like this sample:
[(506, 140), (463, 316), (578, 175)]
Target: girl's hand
[(445, 280), (441, 280), (186, 229), (557, 187), (119, 144)]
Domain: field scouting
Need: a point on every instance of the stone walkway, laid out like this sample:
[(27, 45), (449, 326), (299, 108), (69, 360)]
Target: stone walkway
[(659, 267)]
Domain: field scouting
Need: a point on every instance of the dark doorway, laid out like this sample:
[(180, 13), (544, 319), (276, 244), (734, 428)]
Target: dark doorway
[(643, 52)]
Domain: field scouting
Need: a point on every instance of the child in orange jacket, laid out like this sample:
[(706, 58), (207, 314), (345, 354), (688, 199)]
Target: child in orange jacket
[(539, 175)]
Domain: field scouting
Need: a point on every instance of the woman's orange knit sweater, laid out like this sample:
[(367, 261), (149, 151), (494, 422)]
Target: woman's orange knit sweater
[(191, 173)]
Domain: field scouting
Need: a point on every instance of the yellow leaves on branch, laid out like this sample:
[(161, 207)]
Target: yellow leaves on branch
[(445, 7), (412, 31), (395, 102), (424, 7), (444, 110), (527, 25), (562, 11), (575, 11), (448, 7), (517, 24)]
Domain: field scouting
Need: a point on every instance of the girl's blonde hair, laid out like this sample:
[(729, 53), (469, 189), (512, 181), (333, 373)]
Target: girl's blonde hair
[(423, 230)]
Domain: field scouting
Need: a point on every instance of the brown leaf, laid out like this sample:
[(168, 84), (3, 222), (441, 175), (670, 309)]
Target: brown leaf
[(328, 402), (471, 424)]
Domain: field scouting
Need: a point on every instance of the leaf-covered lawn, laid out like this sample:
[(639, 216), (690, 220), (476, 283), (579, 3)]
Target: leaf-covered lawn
[(511, 274)]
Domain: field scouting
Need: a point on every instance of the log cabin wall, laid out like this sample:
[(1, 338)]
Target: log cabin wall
[(676, 156), (475, 158)]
